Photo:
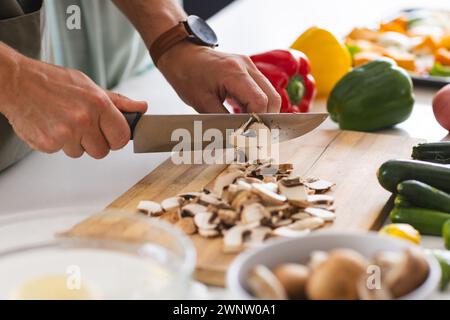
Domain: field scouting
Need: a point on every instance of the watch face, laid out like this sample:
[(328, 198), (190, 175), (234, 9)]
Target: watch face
[(201, 31)]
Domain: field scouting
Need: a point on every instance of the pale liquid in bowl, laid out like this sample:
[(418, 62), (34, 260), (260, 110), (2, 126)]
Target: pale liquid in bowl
[(84, 273)]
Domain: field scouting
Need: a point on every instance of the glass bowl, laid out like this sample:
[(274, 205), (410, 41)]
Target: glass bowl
[(38, 260)]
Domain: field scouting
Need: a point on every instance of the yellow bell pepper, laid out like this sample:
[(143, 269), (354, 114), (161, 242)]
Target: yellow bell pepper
[(403, 231), (330, 59)]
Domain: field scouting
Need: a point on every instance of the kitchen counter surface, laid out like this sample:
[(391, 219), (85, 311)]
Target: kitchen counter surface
[(247, 26)]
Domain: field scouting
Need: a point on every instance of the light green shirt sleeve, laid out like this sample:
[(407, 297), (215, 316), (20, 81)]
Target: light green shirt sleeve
[(106, 47)]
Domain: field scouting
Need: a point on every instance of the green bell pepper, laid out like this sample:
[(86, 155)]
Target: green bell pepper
[(376, 95)]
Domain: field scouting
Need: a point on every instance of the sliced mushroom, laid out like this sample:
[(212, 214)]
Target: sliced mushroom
[(263, 284), (287, 232), (253, 212), (172, 204), (277, 222), (189, 195), (242, 198), (208, 233), (206, 220), (267, 195), (285, 168), (151, 208), (291, 181), (230, 192), (187, 225), (307, 224), (296, 195), (279, 208), (225, 179), (252, 137), (227, 216), (267, 179), (318, 185), (250, 180), (321, 213), (300, 216), (192, 209), (233, 239), (271, 186), (242, 184), (209, 199), (318, 199), (256, 236)]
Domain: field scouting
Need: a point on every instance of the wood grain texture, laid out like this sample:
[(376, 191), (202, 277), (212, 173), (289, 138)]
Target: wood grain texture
[(350, 159)]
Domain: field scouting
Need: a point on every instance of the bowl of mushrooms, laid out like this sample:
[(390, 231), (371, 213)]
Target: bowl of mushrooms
[(335, 266)]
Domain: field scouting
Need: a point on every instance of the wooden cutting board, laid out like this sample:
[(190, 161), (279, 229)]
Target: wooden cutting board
[(350, 159)]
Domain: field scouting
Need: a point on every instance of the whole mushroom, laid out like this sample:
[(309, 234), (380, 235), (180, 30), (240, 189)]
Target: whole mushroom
[(293, 277), (408, 274), (337, 277)]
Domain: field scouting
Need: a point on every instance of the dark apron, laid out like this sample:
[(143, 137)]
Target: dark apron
[(21, 28)]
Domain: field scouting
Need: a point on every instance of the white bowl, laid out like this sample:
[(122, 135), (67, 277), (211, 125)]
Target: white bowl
[(299, 250)]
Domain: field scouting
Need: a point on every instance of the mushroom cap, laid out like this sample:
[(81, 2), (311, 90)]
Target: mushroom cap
[(337, 277), (408, 274), (293, 277)]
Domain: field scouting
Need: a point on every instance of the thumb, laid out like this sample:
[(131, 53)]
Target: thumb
[(126, 104)]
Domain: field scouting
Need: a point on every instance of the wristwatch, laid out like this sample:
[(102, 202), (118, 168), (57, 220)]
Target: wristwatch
[(193, 29)]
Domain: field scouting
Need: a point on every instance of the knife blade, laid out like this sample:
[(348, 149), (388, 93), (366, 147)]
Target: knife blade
[(160, 133)]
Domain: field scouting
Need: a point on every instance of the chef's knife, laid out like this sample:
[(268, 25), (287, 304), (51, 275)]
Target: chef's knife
[(153, 133)]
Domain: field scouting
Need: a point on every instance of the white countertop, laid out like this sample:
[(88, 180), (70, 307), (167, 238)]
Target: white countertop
[(247, 26)]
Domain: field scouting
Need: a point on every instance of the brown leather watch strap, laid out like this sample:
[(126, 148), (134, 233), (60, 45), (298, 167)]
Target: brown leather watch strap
[(167, 40)]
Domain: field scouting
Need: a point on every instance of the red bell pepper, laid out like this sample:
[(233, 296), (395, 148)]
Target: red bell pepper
[(289, 73)]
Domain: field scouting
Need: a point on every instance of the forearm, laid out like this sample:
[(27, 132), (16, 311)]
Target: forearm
[(151, 17), (9, 69)]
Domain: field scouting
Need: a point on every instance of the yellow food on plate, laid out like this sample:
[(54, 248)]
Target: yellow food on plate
[(51, 287), (404, 59), (445, 41), (403, 231), (442, 56), (399, 25), (364, 34), (418, 40), (427, 45), (330, 59)]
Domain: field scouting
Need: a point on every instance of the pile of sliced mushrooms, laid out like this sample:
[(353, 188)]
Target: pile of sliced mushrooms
[(250, 202), (341, 274)]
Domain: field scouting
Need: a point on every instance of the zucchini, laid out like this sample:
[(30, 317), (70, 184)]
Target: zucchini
[(392, 172), (428, 222), (424, 196), (401, 202), (438, 152), (443, 257), (446, 234)]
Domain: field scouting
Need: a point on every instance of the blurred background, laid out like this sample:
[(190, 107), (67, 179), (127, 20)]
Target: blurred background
[(205, 8)]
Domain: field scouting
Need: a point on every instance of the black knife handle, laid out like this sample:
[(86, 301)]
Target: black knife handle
[(132, 120)]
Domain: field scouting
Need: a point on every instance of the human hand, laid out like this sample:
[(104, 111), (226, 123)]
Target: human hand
[(53, 108), (204, 78)]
